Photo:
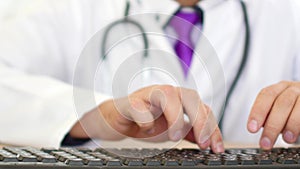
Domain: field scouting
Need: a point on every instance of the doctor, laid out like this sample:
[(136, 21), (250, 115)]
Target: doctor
[(39, 49)]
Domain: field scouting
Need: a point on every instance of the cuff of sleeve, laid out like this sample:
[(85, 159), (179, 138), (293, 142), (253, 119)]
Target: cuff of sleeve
[(70, 141)]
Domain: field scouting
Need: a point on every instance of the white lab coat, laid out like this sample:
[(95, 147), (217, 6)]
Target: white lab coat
[(40, 48)]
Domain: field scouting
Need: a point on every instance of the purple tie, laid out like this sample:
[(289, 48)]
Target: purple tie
[(184, 46)]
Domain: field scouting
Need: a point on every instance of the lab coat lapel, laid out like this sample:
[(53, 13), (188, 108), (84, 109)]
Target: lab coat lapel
[(216, 50), (218, 54), (198, 72), (162, 58), (165, 57)]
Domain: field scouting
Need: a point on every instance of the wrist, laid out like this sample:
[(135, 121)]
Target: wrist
[(114, 120), (99, 123)]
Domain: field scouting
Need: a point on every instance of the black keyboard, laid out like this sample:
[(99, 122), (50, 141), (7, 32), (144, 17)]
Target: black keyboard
[(82, 158)]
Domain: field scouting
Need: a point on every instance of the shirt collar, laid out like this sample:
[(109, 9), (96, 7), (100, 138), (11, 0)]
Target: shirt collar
[(166, 7)]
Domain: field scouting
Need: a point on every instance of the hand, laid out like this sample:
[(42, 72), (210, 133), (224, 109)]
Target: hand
[(277, 109), (153, 110), (157, 113)]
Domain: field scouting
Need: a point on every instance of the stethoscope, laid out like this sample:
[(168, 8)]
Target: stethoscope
[(126, 20)]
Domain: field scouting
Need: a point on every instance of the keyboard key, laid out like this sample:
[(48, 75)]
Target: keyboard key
[(188, 162), (13, 150), (234, 151), (114, 162), (22, 155), (264, 161), (84, 150), (250, 151), (152, 162), (199, 158), (46, 159), (230, 160), (74, 162), (94, 162), (62, 156), (40, 154), (213, 161), (289, 159), (278, 150), (27, 158), (247, 160), (133, 162), (170, 162), (48, 149), (6, 156)]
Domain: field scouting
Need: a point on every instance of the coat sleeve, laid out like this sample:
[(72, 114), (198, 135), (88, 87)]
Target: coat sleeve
[(37, 106), (38, 110)]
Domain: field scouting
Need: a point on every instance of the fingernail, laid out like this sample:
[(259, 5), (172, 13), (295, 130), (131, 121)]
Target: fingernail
[(206, 143), (177, 135), (253, 126), (220, 147), (265, 143), (288, 136)]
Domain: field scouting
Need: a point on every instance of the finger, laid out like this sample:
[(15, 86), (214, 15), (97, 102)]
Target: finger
[(263, 104), (278, 117), (200, 117), (217, 145), (168, 99), (211, 130), (142, 116), (188, 132), (291, 131), (210, 125), (160, 131)]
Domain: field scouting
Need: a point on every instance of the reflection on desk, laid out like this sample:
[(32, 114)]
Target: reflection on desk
[(130, 143)]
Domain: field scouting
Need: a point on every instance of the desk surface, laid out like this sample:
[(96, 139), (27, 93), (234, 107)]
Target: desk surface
[(185, 144), (182, 144), (129, 143)]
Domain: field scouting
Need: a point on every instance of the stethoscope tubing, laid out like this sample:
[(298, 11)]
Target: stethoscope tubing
[(242, 64), (146, 47)]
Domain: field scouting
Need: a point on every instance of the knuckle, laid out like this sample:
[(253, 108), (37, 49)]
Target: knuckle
[(134, 102), (294, 124), (284, 82), (272, 129), (193, 95), (168, 89), (154, 86), (208, 109), (217, 134), (285, 101), (269, 91), (294, 90)]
